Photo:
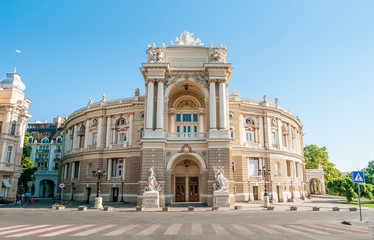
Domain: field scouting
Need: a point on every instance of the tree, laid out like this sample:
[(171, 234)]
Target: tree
[(369, 173), (343, 186), (28, 168), (315, 156)]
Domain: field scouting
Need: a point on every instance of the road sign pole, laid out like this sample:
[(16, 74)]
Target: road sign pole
[(359, 201)]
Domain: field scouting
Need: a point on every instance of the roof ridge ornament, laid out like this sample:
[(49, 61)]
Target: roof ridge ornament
[(186, 39)]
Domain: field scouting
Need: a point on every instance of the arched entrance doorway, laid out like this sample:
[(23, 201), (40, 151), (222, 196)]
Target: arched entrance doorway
[(315, 186), (186, 179), (46, 188)]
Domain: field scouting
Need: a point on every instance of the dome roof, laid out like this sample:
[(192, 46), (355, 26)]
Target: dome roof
[(12, 82)]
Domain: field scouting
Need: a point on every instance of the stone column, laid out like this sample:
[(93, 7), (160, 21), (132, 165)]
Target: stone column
[(212, 105), (201, 123), (262, 134), (160, 105), (131, 130), (108, 131), (75, 137), (279, 133), (99, 132), (150, 102), (172, 122), (72, 170), (86, 134), (222, 105), (109, 171), (241, 130), (289, 137)]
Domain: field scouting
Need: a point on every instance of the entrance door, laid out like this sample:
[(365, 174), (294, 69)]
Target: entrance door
[(194, 189), (279, 194), (88, 195), (255, 193), (180, 184), (115, 194)]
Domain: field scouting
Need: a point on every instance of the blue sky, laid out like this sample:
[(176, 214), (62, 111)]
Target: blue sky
[(315, 56)]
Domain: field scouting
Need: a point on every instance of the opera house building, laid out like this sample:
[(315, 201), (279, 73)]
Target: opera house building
[(185, 126)]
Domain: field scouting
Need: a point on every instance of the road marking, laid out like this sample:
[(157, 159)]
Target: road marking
[(326, 229), (266, 228), (254, 229), (95, 230), (306, 227), (242, 230), (219, 229), (301, 230), (347, 229), (196, 229), (12, 227), (122, 230), (161, 230), (37, 231), (67, 230), (185, 229), (22, 229), (281, 229), (173, 229), (149, 230)]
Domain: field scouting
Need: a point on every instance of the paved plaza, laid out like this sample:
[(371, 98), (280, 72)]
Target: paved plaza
[(252, 222)]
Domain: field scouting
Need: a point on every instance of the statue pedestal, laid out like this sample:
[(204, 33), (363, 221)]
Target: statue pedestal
[(266, 201), (151, 199), (221, 199), (98, 203)]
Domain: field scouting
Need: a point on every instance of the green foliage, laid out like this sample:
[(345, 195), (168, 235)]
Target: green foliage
[(27, 165), (343, 186), (369, 173), (315, 156)]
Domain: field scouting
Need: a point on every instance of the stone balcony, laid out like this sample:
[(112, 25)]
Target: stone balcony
[(10, 167), (186, 136)]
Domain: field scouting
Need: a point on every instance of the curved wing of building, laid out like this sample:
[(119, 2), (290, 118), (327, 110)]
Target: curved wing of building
[(186, 127)]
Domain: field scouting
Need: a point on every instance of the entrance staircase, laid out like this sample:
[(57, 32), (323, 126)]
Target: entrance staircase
[(186, 204)]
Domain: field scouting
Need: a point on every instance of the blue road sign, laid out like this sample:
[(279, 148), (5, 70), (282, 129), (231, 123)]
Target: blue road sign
[(358, 177)]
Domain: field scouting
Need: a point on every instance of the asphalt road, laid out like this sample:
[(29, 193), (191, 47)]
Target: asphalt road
[(229, 224)]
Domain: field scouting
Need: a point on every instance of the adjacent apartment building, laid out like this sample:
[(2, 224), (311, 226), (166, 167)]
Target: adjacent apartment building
[(45, 141), (13, 120)]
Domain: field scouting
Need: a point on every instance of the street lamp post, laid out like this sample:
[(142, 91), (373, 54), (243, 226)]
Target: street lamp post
[(122, 183), (271, 193), (98, 200), (265, 173)]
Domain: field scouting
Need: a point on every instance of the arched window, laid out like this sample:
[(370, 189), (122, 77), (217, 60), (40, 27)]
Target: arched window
[(186, 117), (232, 133), (30, 139), (120, 130), (141, 132), (45, 140), (81, 136), (59, 140)]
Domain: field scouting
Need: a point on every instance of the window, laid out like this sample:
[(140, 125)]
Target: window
[(277, 169), (233, 166), (76, 170), (94, 139), (249, 137), (89, 169), (122, 137), (66, 171), (30, 139), (117, 168), (252, 167), (13, 129), (273, 138), (1, 125), (178, 129), (122, 122), (195, 118), (288, 168), (249, 121), (59, 140), (195, 129), (186, 117), (58, 149), (231, 132), (9, 154), (178, 117), (141, 133), (45, 140)]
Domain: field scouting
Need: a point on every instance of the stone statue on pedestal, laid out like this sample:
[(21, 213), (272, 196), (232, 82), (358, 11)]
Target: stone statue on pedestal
[(153, 185), (221, 184)]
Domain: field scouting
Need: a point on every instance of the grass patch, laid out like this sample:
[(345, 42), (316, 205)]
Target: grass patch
[(369, 204)]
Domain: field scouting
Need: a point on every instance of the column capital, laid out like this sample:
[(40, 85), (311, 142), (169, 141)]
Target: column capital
[(212, 81), (160, 80)]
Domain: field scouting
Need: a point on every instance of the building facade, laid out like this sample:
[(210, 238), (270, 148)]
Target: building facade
[(13, 120), (184, 126), (45, 141)]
